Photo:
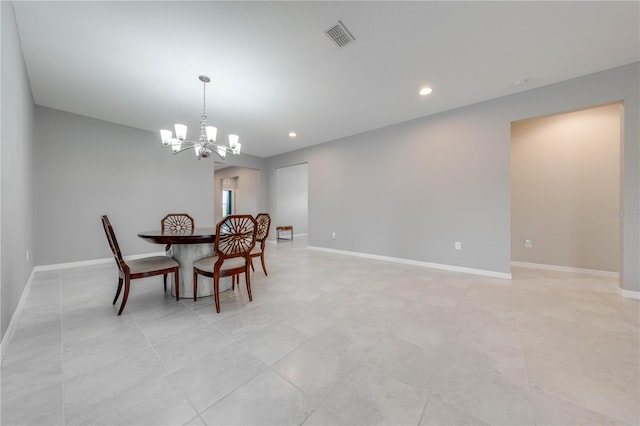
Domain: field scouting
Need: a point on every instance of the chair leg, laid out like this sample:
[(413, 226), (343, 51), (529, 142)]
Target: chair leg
[(195, 285), (233, 282), (264, 268), (164, 277), (125, 296), (247, 278), (176, 277), (251, 262), (216, 296), (115, 299)]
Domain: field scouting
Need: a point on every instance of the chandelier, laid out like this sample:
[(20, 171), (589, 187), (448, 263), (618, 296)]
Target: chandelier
[(205, 144)]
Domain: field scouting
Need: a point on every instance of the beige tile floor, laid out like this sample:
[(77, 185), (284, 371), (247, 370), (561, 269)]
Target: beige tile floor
[(328, 339)]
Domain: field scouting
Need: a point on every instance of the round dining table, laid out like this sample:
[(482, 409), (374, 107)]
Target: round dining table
[(188, 246)]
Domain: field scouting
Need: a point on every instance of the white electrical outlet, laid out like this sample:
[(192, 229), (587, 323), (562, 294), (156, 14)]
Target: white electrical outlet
[(333, 235), (528, 243), (458, 245)]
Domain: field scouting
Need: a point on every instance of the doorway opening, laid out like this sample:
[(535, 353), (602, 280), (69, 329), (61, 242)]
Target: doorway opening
[(236, 191), (227, 202), (291, 198), (228, 195), (566, 191)]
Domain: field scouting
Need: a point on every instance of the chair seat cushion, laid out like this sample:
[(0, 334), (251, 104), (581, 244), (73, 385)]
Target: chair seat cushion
[(207, 263), (149, 264)]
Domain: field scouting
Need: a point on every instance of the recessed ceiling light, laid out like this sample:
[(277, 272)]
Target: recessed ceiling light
[(520, 82), (425, 91), (292, 134)]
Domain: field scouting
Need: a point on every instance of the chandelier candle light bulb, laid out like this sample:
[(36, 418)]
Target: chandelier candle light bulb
[(234, 144), (181, 132), (211, 133), (166, 136), (175, 145), (205, 145)]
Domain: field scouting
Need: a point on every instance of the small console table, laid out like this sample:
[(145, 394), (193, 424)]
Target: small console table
[(279, 229)]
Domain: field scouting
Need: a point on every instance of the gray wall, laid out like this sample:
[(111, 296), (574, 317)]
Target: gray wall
[(16, 169), (565, 189), (247, 189), (292, 198), (411, 190), (86, 167)]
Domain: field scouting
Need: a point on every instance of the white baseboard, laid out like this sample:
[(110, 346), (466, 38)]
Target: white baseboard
[(92, 262), (566, 269), (15, 318), (452, 268), (629, 294)]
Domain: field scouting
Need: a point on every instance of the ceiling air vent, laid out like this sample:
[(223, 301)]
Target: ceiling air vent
[(340, 34)]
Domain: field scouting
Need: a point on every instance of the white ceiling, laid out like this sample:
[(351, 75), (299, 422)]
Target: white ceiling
[(275, 71)]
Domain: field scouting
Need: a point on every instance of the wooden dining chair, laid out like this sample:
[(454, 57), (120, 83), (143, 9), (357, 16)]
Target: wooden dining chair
[(178, 223), (263, 222), (235, 238), (139, 268)]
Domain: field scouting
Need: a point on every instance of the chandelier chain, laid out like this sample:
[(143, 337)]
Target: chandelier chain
[(204, 97)]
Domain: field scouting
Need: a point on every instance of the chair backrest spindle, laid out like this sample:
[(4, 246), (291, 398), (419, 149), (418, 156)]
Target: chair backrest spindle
[(235, 236), (179, 223), (263, 221)]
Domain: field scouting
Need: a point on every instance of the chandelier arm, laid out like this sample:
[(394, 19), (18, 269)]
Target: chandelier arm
[(212, 146), (185, 145), (190, 143), (183, 149), (226, 148)]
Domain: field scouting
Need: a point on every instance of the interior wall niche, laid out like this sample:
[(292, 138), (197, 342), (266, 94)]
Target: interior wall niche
[(292, 197), (565, 189)]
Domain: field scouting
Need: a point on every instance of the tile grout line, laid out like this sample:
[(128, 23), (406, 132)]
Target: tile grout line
[(169, 373), (62, 377), (514, 302), (597, 349), (207, 324), (236, 388), (424, 409), (235, 342), (573, 402), (322, 399), (521, 349)]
